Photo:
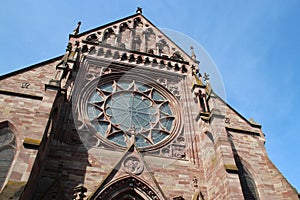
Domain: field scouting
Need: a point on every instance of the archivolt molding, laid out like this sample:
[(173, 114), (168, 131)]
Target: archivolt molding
[(130, 175), (127, 184)]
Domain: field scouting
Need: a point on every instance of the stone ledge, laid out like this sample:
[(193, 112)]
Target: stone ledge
[(231, 168), (31, 143), (243, 131), (53, 84), (12, 190), (22, 95), (205, 116)]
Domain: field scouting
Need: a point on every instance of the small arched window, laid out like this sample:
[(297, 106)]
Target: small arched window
[(247, 183), (7, 152)]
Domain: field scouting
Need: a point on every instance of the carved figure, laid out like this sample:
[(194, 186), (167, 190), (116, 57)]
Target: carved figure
[(133, 165), (138, 35), (110, 37), (150, 41), (125, 36)]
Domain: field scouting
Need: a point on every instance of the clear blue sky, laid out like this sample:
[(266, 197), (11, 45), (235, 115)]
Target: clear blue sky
[(255, 45)]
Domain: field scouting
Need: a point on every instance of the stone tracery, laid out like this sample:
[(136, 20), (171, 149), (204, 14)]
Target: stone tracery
[(122, 110), (136, 35)]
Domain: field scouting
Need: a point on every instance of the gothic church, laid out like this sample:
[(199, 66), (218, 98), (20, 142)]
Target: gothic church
[(125, 114)]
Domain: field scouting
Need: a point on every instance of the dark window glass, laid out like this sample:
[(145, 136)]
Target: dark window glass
[(7, 153)]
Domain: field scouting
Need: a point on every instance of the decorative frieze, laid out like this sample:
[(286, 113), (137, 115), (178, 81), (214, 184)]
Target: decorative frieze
[(137, 58)]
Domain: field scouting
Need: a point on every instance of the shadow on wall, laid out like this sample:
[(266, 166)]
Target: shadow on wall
[(64, 166), (12, 190), (246, 180)]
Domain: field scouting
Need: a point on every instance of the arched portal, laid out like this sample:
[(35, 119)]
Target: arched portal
[(129, 194), (129, 188)]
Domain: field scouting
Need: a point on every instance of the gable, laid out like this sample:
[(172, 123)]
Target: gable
[(129, 174), (234, 120), (30, 80), (134, 33)]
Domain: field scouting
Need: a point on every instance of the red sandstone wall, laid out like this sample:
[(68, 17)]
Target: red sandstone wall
[(37, 76), (27, 110)]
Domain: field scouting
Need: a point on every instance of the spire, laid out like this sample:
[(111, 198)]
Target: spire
[(139, 10), (76, 30)]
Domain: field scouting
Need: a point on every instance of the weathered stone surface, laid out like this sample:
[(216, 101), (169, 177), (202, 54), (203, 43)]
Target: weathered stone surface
[(214, 153)]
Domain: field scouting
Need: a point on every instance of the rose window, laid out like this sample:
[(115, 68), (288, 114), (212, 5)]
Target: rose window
[(122, 111)]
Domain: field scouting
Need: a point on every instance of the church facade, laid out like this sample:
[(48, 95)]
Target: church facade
[(126, 114)]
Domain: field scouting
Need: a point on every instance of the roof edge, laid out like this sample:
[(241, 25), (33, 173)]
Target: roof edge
[(128, 17), (30, 67), (103, 26), (240, 115)]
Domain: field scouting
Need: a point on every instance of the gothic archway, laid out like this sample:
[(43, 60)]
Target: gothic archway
[(128, 194), (130, 188)]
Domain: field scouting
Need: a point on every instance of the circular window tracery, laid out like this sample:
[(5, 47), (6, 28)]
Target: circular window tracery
[(131, 111), (122, 110)]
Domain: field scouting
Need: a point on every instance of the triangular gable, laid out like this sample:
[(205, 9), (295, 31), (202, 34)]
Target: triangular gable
[(134, 33), (29, 80), (32, 67), (130, 173), (236, 120)]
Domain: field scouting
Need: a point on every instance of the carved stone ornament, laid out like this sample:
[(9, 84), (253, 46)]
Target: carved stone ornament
[(122, 106), (133, 165)]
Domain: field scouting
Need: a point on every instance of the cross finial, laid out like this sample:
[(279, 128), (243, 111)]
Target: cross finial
[(139, 10), (206, 76)]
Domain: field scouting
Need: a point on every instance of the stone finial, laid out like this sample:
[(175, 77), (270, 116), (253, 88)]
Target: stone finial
[(193, 53), (252, 121), (76, 30), (197, 75), (139, 10), (208, 86)]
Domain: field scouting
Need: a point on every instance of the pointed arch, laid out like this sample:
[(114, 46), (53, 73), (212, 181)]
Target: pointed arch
[(150, 41), (254, 178), (164, 48), (7, 151), (247, 182), (126, 188), (109, 37), (124, 39)]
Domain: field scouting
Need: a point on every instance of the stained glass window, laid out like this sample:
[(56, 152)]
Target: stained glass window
[(7, 153), (122, 110)]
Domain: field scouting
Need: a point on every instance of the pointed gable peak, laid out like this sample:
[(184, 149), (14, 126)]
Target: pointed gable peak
[(134, 33), (129, 174), (139, 10)]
